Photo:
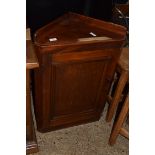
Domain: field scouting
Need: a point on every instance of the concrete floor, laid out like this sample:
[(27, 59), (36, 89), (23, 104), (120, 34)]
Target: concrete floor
[(87, 139)]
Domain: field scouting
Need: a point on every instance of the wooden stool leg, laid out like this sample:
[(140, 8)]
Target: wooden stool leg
[(118, 92), (117, 127)]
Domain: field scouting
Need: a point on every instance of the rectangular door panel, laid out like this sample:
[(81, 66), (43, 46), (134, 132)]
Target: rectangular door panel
[(76, 85)]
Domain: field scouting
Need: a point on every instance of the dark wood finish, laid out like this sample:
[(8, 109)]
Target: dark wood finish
[(123, 69), (31, 142), (124, 8), (118, 125), (31, 62), (74, 75)]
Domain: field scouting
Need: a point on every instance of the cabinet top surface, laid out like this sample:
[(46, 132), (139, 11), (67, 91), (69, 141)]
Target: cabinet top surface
[(73, 28)]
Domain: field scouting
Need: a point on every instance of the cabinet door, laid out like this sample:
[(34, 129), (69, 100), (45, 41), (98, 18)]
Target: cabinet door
[(78, 87), (71, 86)]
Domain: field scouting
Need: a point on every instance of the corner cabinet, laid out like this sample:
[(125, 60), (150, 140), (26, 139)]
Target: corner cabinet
[(77, 57)]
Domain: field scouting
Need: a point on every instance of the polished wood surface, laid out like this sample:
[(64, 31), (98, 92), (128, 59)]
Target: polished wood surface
[(31, 63), (70, 27), (74, 76)]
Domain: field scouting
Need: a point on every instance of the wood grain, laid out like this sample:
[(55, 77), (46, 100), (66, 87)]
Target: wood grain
[(74, 76)]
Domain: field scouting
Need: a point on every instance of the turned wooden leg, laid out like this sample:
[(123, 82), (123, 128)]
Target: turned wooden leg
[(117, 127), (117, 95)]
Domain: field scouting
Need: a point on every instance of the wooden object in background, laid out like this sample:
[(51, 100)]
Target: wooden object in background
[(123, 69), (75, 70), (31, 62), (118, 125)]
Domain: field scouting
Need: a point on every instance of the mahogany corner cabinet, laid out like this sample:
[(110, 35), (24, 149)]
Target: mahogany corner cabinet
[(77, 57)]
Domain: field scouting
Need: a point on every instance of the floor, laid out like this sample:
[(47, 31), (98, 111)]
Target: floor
[(87, 139)]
